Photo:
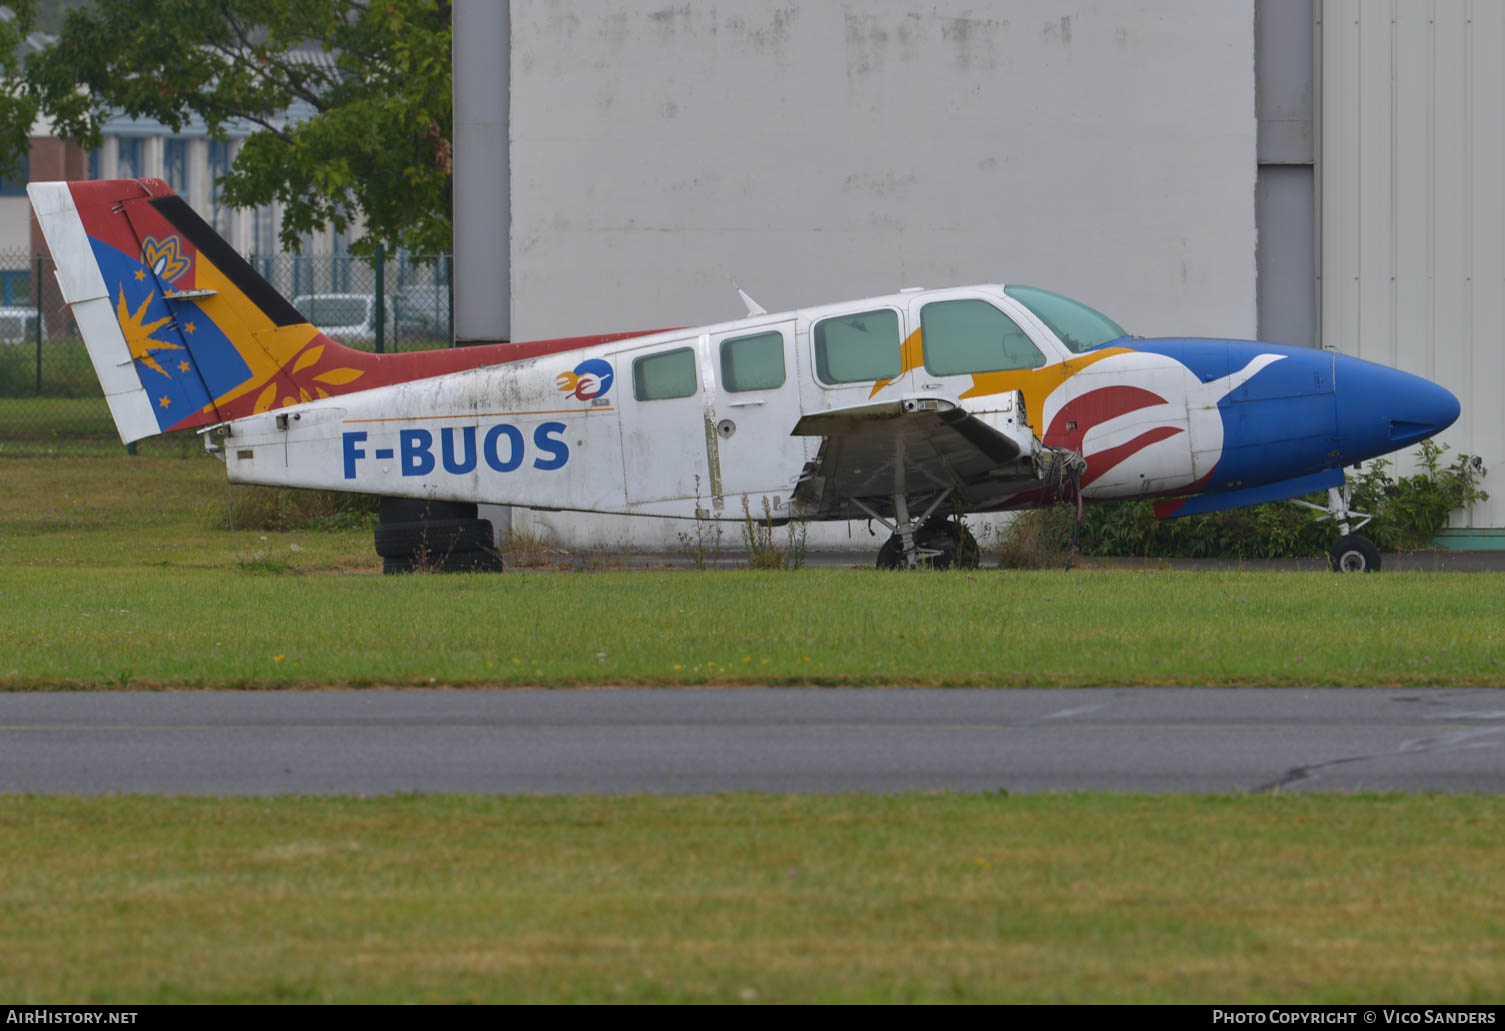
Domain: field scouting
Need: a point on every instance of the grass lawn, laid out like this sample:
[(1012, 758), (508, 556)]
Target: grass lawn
[(75, 426), (1083, 898), (120, 577), (117, 573), (65, 370)]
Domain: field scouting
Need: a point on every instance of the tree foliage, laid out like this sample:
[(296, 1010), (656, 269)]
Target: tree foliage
[(375, 74), (18, 108)]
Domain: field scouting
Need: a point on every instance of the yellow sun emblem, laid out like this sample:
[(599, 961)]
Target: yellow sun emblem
[(138, 337)]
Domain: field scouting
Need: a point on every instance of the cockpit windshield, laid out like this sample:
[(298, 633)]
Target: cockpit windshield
[(1078, 326)]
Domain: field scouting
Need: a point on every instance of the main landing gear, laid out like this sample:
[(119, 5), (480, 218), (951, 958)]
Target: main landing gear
[(932, 541), (1354, 553)]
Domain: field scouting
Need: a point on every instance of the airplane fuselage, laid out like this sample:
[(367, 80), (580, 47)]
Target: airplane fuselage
[(684, 423)]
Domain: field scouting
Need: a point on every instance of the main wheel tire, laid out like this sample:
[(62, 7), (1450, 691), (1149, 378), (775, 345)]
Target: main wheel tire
[(480, 561), (416, 510), (436, 537), (1354, 554), (955, 542)]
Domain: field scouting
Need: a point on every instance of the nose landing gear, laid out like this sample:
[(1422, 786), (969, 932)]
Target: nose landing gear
[(1354, 553)]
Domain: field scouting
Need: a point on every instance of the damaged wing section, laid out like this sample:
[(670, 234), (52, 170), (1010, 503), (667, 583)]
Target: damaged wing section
[(915, 445)]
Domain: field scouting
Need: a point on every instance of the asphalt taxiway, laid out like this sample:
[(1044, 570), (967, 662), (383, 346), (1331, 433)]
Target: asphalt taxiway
[(687, 740)]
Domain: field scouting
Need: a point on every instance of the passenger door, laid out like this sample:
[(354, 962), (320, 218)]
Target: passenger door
[(757, 403), (663, 423)]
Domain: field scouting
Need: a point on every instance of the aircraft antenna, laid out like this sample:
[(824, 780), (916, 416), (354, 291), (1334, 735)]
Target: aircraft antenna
[(753, 307)]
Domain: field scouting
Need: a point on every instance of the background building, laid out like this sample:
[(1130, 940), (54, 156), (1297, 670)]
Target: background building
[(1412, 206), (1314, 172)]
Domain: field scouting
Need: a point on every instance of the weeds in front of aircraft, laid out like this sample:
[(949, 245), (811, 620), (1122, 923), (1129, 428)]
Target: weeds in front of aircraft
[(758, 539)]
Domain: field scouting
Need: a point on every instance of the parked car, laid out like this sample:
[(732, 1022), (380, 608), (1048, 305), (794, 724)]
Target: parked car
[(350, 318), (422, 311), (18, 325)]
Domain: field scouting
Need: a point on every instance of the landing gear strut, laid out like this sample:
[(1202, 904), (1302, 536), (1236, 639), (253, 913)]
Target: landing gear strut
[(933, 541), (1354, 553)]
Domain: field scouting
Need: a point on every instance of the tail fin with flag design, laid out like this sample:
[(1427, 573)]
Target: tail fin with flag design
[(181, 329)]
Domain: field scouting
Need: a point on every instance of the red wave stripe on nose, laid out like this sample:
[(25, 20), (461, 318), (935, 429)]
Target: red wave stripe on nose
[(1103, 462), (1092, 409)]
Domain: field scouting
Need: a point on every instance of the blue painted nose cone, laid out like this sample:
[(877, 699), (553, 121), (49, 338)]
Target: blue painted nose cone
[(1426, 410), (1382, 409)]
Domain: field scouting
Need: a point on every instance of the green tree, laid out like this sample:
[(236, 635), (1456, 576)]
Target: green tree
[(376, 74), (18, 108)]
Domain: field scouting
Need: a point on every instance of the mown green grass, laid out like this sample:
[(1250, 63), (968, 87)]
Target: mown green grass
[(65, 369), (75, 426), (1085, 898), (55, 418), (178, 625), (114, 574), (136, 514), (119, 578)]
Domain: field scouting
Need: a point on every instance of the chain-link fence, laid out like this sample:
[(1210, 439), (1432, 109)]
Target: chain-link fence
[(50, 400)]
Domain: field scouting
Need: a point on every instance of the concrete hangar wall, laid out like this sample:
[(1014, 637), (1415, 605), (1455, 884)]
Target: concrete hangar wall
[(819, 151)]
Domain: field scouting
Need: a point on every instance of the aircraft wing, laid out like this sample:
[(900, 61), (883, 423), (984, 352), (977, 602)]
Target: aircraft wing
[(914, 445)]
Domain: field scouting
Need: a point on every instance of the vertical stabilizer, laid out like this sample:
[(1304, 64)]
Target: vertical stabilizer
[(184, 333)]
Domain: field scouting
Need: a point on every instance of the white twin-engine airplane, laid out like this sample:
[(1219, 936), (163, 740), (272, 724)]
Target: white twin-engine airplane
[(909, 409)]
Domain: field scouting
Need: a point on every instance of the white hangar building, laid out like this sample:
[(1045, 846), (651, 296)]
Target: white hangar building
[(1327, 173)]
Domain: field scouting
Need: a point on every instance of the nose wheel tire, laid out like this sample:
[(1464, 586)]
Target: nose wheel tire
[(1354, 554)]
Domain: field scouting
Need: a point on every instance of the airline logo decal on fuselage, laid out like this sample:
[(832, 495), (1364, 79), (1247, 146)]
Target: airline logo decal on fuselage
[(589, 380)]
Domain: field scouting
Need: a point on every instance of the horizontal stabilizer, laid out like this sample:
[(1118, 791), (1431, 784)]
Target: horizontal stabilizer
[(1282, 490)]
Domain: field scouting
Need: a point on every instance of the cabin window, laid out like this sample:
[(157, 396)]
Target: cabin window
[(964, 337), (1077, 326), (753, 362), (658, 377), (858, 348)]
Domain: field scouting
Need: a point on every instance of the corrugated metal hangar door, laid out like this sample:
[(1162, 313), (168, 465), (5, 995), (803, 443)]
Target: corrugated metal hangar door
[(1412, 202)]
